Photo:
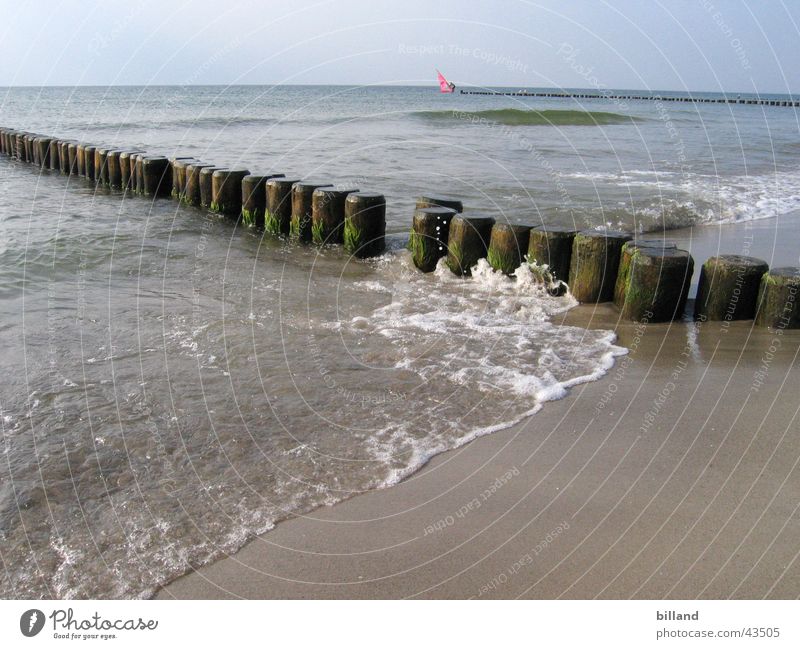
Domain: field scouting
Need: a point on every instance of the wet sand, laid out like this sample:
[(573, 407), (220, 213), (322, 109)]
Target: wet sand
[(675, 476)]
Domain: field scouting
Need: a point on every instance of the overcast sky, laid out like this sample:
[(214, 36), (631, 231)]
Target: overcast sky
[(731, 45)]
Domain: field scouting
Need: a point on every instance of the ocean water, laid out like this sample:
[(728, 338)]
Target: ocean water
[(174, 383)]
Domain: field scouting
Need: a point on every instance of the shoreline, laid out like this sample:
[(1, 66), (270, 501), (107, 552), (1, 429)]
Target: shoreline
[(673, 476)]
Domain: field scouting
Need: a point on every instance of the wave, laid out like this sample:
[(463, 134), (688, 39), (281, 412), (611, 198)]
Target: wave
[(518, 117)]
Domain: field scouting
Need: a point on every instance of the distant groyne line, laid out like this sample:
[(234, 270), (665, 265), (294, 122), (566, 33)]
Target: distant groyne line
[(648, 280), (688, 99)]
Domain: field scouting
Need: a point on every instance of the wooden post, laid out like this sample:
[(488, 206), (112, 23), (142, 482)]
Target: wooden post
[(365, 224), (429, 235), (21, 149), (72, 158), (113, 172), (327, 215), (779, 299), (594, 264), (88, 161), (254, 199), (278, 216), (226, 191), (302, 192), (191, 188), (65, 162), (206, 185), (657, 283), (100, 168), (127, 170), (626, 257), (434, 200), (54, 155), (507, 246), (156, 176), (467, 242), (179, 166), (551, 246), (80, 164), (42, 154), (728, 288), (137, 173)]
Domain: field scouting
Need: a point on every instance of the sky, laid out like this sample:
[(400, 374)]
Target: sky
[(711, 45)]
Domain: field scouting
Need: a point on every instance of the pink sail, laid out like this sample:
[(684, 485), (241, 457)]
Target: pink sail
[(444, 84)]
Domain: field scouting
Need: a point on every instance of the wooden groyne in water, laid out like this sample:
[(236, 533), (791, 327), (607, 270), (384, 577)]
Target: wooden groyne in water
[(648, 280), (687, 99)]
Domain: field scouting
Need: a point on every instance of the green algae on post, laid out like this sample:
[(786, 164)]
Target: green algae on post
[(278, 214), (626, 257), (779, 299), (226, 191), (302, 208), (178, 166), (429, 236), (508, 246), (594, 264), (327, 215), (550, 246), (364, 224), (191, 188), (467, 242), (728, 288), (657, 281), (254, 199)]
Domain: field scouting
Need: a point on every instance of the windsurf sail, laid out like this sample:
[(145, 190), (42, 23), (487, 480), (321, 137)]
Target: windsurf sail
[(444, 84)]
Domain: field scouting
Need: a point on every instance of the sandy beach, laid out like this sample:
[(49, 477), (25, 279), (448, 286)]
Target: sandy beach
[(674, 476)]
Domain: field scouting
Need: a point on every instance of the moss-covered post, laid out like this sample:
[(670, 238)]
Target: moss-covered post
[(278, 216), (657, 283), (178, 166), (156, 176), (594, 264), (364, 231), (226, 191), (551, 246), (327, 215), (302, 193), (54, 155), (437, 200), (429, 236), (508, 246), (626, 257), (467, 242), (728, 288), (191, 188), (254, 199), (779, 299), (206, 185)]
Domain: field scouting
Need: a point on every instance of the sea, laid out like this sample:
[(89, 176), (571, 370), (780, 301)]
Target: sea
[(174, 383)]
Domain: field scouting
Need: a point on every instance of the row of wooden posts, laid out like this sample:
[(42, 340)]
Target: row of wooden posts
[(305, 210), (647, 279)]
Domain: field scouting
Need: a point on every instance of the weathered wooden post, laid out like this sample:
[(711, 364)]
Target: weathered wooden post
[(156, 176), (507, 246), (728, 288), (29, 138), (278, 215), (656, 283), (254, 199), (88, 162), (81, 159), (127, 169), (20, 149), (779, 299), (437, 200), (594, 264), (100, 168), (467, 242), (429, 235), (72, 158), (365, 224), (137, 173), (327, 215), (179, 166), (551, 246), (625, 260), (113, 171), (63, 157), (54, 155), (226, 191), (191, 188), (302, 192), (206, 185)]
